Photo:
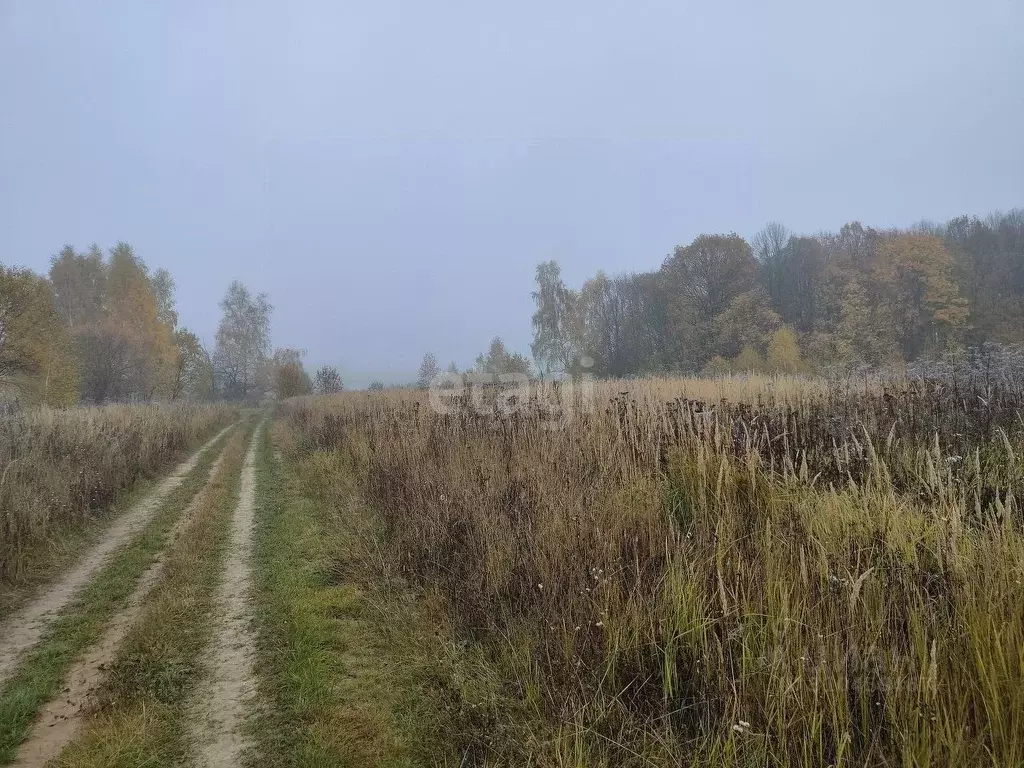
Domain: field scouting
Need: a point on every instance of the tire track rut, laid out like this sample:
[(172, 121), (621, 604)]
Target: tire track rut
[(228, 691), (61, 718)]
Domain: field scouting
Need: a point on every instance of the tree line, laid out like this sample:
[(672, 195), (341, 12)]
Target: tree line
[(101, 328), (496, 361), (791, 303)]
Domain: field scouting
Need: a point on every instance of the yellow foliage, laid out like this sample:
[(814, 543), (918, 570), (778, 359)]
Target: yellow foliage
[(134, 315), (37, 362), (784, 352), (748, 361), (923, 303)]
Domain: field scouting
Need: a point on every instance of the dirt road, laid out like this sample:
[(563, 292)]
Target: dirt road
[(228, 692), (23, 629)]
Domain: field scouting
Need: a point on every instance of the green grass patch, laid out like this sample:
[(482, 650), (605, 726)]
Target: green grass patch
[(81, 624), (343, 670), (143, 720)]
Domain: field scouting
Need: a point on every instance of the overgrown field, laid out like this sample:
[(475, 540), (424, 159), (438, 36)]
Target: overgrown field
[(59, 468), (696, 573)]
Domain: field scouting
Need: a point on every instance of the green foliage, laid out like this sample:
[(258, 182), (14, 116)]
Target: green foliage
[(701, 280), (748, 321), (79, 285), (987, 266), (792, 271), (347, 674), (499, 361)]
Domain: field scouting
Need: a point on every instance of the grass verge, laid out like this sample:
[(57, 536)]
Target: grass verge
[(346, 672), (82, 623), (143, 716)]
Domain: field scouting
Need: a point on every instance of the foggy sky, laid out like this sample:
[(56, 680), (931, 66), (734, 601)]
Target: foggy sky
[(390, 173)]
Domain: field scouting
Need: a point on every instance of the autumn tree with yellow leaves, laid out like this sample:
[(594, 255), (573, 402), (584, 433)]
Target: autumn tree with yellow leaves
[(104, 328), (37, 361), (860, 295), (121, 319), (920, 306)]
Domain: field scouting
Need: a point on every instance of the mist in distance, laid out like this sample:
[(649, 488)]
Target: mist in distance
[(391, 174)]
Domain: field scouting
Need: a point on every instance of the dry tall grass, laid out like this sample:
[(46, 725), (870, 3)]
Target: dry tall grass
[(663, 582), (59, 467)]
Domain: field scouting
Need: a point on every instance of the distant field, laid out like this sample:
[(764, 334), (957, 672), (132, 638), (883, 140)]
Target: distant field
[(745, 571)]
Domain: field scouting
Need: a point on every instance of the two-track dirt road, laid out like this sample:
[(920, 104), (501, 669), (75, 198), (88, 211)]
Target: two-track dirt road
[(221, 686)]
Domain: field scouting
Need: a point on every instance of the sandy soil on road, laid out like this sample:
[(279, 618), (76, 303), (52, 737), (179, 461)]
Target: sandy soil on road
[(228, 691)]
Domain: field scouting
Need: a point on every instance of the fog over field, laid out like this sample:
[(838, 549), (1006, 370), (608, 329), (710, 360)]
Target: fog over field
[(391, 173), (563, 385)]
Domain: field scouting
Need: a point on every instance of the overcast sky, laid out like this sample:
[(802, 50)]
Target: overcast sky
[(390, 173)]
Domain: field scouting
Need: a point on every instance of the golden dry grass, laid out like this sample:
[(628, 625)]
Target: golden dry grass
[(61, 468), (656, 583)]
